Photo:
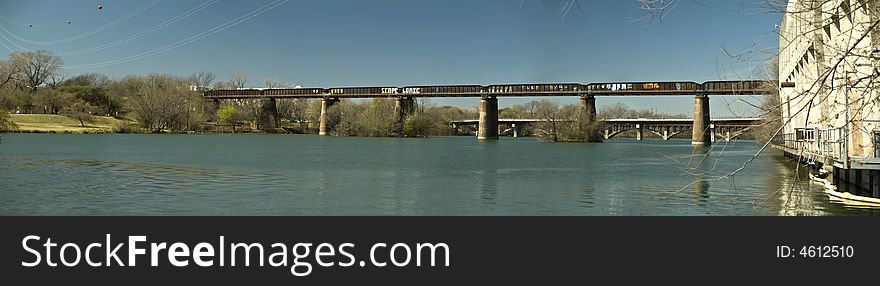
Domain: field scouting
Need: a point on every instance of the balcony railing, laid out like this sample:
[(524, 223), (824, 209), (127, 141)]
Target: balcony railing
[(814, 143)]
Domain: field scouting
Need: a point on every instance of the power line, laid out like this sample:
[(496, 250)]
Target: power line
[(186, 41), (142, 33), (86, 34)]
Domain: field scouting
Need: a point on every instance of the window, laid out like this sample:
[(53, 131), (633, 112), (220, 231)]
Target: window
[(876, 143)]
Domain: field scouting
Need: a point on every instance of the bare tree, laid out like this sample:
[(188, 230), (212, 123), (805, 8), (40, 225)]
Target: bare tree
[(163, 102), (202, 80), (8, 71), (89, 79), (56, 79), (37, 67), (238, 80), (656, 10), (295, 111), (272, 83), (53, 101), (548, 113), (79, 110), (614, 111)]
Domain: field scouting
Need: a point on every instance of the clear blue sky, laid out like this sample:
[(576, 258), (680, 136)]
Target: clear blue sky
[(398, 42)]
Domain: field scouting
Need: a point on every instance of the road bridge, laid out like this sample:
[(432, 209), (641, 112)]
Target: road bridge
[(666, 128), (488, 122)]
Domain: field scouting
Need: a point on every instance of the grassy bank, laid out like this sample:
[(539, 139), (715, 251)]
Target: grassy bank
[(49, 123)]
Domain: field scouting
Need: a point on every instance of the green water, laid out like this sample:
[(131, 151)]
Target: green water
[(43, 174)]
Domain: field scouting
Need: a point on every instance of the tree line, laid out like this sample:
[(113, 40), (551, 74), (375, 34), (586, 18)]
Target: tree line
[(33, 82)]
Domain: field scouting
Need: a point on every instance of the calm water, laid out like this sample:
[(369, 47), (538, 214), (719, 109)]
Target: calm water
[(42, 174)]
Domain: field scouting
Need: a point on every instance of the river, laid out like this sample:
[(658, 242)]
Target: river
[(49, 174)]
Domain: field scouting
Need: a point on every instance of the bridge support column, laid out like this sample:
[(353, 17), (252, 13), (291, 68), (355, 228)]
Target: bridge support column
[(640, 128), (701, 132), (268, 115), (517, 130), (665, 133), (404, 106), (588, 104), (712, 132), (212, 107), (488, 128), (323, 127), (454, 129)]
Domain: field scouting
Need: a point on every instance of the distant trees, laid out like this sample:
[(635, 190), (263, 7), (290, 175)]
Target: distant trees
[(202, 80), (379, 118), (374, 118), (8, 71), (551, 117), (165, 102), (238, 80), (566, 123), (570, 122), (35, 67), (26, 71), (295, 111), (6, 123), (79, 110), (420, 124), (620, 110), (95, 95), (272, 83), (53, 100), (227, 115)]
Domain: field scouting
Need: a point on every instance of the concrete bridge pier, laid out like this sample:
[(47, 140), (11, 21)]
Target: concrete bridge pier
[(517, 129), (712, 132), (488, 128), (212, 107), (702, 136), (268, 115), (404, 106), (323, 127), (588, 104), (640, 128)]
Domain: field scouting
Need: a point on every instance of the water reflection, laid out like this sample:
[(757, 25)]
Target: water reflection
[(587, 196), (701, 165), (310, 175), (701, 190)]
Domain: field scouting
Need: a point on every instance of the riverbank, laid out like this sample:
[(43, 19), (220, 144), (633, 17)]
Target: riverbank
[(51, 123)]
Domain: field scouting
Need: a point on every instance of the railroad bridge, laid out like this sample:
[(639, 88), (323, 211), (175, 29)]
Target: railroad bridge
[(488, 122), (666, 128)]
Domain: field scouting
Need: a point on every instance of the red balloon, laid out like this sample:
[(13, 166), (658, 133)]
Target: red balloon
[(30, 26), (100, 7)]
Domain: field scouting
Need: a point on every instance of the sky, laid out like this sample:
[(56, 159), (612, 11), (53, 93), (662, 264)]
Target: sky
[(334, 43)]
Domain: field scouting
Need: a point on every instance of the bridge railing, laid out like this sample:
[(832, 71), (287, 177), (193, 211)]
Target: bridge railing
[(816, 143), (541, 89)]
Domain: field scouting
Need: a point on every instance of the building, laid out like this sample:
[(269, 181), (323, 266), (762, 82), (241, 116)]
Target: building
[(829, 59)]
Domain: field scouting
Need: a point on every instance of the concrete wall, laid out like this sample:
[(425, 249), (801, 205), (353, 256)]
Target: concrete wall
[(815, 36)]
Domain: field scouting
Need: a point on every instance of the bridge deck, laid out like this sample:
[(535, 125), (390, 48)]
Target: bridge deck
[(750, 87), (737, 121)]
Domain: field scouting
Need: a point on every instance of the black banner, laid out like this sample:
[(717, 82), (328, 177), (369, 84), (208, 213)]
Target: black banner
[(400, 250)]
